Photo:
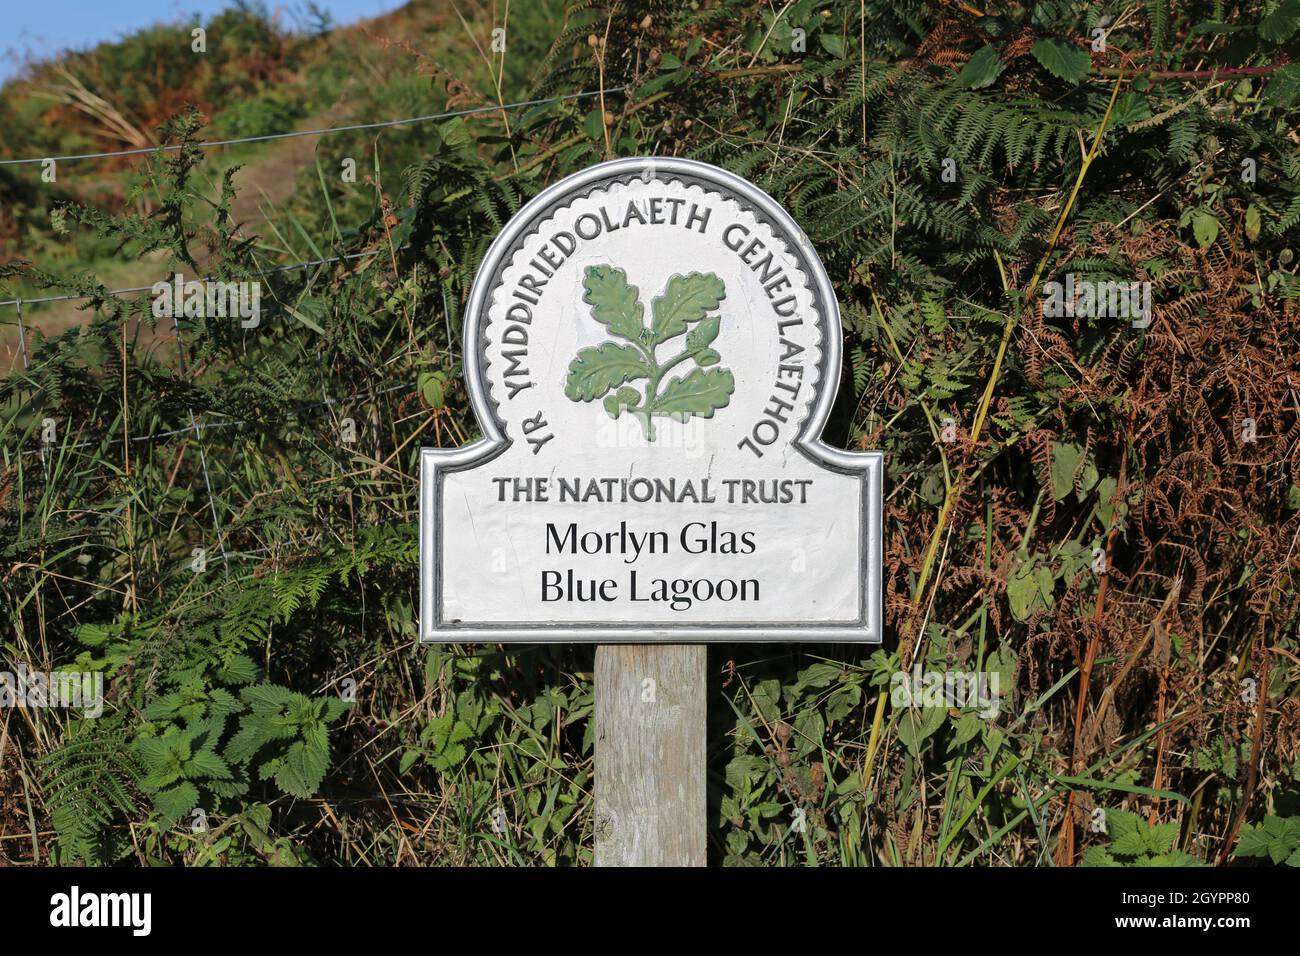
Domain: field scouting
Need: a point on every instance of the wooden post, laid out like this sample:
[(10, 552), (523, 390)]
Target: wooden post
[(650, 754)]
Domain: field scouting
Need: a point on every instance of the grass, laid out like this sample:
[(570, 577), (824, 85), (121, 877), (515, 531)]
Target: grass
[(1020, 447)]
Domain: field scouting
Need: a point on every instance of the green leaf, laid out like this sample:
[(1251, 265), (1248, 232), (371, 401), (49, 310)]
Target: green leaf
[(981, 69), (1130, 107), (207, 764), (1061, 59), (1130, 844), (268, 697), (936, 320), (1284, 88), (820, 674), (1023, 592), (596, 370), (917, 723), (177, 802), (303, 769), (1097, 856), (1105, 506), (703, 334), (1205, 227), (1278, 26), (1066, 464), (1003, 663), (240, 669), (1046, 583), (1119, 822), (432, 387), (832, 43), (1087, 479), (1252, 222), (301, 316), (699, 393), (767, 697), (968, 725), (1254, 841), (333, 708), (843, 702), (685, 299), (94, 635), (1161, 837), (809, 729), (613, 302), (625, 398), (1065, 461), (1277, 838)]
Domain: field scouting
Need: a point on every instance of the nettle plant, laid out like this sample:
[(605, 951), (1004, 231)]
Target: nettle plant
[(1134, 842), (683, 309), (192, 756)]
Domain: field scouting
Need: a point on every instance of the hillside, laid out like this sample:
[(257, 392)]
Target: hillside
[(256, 78), (1093, 500)]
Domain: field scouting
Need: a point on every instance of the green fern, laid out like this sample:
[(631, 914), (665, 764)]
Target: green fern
[(88, 784)]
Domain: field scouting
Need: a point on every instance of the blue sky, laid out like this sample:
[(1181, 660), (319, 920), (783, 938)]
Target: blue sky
[(42, 28)]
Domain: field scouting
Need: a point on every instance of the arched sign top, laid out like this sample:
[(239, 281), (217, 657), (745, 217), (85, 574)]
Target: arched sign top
[(652, 348), (698, 204)]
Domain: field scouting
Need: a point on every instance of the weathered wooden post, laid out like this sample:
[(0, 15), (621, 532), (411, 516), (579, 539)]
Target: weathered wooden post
[(650, 747), (652, 348)]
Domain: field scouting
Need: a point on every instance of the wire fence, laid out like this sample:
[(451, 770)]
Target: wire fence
[(382, 124), (36, 300), (197, 426), (19, 301)]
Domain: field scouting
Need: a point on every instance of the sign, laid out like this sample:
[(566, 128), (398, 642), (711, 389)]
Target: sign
[(652, 348)]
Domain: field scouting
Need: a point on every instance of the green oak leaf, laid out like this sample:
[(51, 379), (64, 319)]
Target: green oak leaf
[(614, 303), (625, 398), (683, 309), (1061, 59), (698, 393), (703, 334), (596, 370), (685, 299)]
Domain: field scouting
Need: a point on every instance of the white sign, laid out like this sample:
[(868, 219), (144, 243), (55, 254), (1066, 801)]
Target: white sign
[(651, 348)]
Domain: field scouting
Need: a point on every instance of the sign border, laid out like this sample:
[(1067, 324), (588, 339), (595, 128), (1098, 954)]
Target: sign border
[(435, 463)]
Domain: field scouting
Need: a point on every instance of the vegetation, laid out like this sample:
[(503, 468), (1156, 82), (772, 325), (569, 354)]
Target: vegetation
[(1101, 511)]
